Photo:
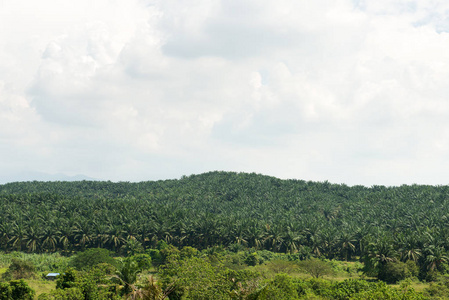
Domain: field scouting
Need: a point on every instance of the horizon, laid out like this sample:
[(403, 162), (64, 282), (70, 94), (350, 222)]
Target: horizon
[(80, 177)]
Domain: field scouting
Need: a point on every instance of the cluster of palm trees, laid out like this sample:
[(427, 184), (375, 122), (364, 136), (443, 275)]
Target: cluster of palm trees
[(228, 209)]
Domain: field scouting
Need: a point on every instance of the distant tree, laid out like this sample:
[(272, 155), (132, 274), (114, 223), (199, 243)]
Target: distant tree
[(393, 272), (91, 257), (19, 269), (282, 266), (315, 267)]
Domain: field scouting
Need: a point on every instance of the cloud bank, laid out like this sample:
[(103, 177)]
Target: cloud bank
[(352, 92)]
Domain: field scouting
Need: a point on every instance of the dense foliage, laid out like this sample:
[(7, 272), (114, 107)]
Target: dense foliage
[(214, 273), (382, 225)]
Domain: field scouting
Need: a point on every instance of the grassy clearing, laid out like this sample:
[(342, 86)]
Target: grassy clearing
[(416, 285), (46, 262), (41, 285)]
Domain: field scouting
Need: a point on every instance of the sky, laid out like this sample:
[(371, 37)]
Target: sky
[(348, 91)]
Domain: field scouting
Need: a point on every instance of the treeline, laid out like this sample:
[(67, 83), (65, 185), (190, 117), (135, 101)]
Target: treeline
[(379, 224)]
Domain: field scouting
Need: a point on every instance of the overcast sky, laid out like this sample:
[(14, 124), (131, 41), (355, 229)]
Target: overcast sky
[(348, 91)]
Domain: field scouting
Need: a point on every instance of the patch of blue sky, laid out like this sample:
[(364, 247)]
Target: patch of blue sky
[(437, 20), (395, 7)]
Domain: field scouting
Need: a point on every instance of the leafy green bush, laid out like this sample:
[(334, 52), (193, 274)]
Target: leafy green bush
[(143, 261), (156, 256), (91, 257), (281, 287), (252, 259), (282, 266), (195, 278), (5, 291), (393, 272), (19, 269), (21, 291), (316, 267)]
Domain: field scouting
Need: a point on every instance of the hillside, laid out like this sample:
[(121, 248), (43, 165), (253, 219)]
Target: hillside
[(224, 208)]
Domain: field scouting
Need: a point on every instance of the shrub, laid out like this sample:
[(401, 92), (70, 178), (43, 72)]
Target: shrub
[(143, 261), (19, 269), (91, 257), (156, 257), (252, 259), (188, 252), (5, 291), (20, 290), (67, 279), (281, 287), (315, 267), (393, 272), (282, 266)]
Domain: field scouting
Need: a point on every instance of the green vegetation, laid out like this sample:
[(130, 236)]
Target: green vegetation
[(231, 235), (216, 273)]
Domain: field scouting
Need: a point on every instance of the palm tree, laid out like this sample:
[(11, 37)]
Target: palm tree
[(126, 274), (409, 246), (275, 237), (32, 238), (151, 291), (83, 233), (254, 234), (434, 257), (17, 236), (99, 236), (292, 239), (49, 238), (6, 229), (115, 237), (378, 254), (65, 236)]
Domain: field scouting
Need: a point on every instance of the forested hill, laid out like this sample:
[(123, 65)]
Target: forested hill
[(223, 208)]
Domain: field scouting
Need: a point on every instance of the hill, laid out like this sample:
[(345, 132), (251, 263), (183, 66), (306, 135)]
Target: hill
[(229, 209)]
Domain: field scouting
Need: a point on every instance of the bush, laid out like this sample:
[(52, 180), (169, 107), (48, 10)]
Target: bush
[(315, 267), (67, 279), (236, 247), (19, 269), (188, 252), (393, 272), (143, 261), (252, 259), (282, 266), (20, 290), (281, 287), (5, 291), (156, 257), (91, 257), (66, 294)]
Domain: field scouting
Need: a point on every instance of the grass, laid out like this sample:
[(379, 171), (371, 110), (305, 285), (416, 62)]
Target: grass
[(41, 286), (52, 262), (415, 284)]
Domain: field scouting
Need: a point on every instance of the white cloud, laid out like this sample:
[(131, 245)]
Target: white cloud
[(346, 91)]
